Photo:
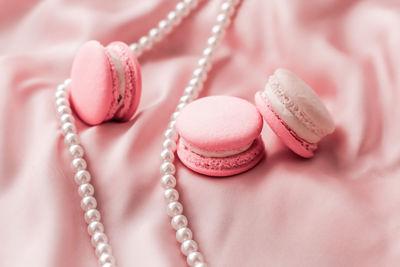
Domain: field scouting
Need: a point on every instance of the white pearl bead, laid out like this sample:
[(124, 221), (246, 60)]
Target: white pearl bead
[(154, 34), (98, 238), (67, 128), (62, 102), (67, 82), (61, 87), (227, 8), (94, 227), (67, 118), (171, 195), (106, 258), (175, 115), (85, 190), (188, 246), (103, 248), (145, 43), (184, 234), (204, 63), (167, 155), (212, 41), (201, 264), (76, 151), (185, 99), (179, 221), (61, 94), (82, 177), (208, 52), (171, 134), (133, 46), (167, 168), (164, 26), (196, 83), (174, 208), (180, 106), (136, 49), (223, 19), (78, 164), (182, 8), (194, 257), (218, 31), (174, 18), (92, 215), (61, 110), (191, 3), (168, 181), (169, 144), (171, 124), (71, 139), (200, 73), (108, 265), (88, 203), (191, 91)]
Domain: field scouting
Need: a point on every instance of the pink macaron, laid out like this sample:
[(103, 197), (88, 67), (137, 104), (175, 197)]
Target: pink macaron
[(294, 112), (106, 82), (220, 136)]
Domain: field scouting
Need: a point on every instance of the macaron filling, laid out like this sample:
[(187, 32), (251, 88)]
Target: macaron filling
[(125, 80), (121, 74), (213, 154), (132, 81)]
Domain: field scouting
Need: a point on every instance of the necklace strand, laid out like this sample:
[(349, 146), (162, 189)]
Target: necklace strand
[(82, 176), (179, 222)]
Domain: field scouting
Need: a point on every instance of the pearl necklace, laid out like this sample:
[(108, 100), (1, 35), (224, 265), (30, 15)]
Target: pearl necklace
[(82, 176)]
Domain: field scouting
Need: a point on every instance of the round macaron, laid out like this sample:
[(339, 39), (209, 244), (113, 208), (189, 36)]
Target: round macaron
[(106, 82), (294, 112), (220, 136)]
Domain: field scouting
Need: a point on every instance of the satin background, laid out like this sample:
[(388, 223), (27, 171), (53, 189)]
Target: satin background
[(341, 208)]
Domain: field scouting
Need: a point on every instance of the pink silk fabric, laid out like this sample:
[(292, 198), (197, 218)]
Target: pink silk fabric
[(341, 208)]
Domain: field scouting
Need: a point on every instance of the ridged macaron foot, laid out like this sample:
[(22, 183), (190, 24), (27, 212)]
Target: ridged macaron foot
[(220, 136), (294, 112), (105, 82)]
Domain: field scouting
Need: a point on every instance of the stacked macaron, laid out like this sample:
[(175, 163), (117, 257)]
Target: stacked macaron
[(294, 112), (220, 136), (106, 82)]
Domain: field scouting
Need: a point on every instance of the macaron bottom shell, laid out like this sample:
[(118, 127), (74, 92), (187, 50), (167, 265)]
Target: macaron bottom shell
[(225, 166), (282, 130)]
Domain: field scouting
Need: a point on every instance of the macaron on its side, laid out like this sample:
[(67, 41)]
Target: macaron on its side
[(282, 130), (299, 106), (132, 82), (222, 166), (106, 82), (91, 83)]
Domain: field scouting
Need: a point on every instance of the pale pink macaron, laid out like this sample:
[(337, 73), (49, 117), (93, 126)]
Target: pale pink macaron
[(220, 136), (106, 82), (294, 112)]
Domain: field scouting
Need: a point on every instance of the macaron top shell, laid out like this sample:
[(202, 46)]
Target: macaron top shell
[(219, 124), (90, 91), (298, 106)]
